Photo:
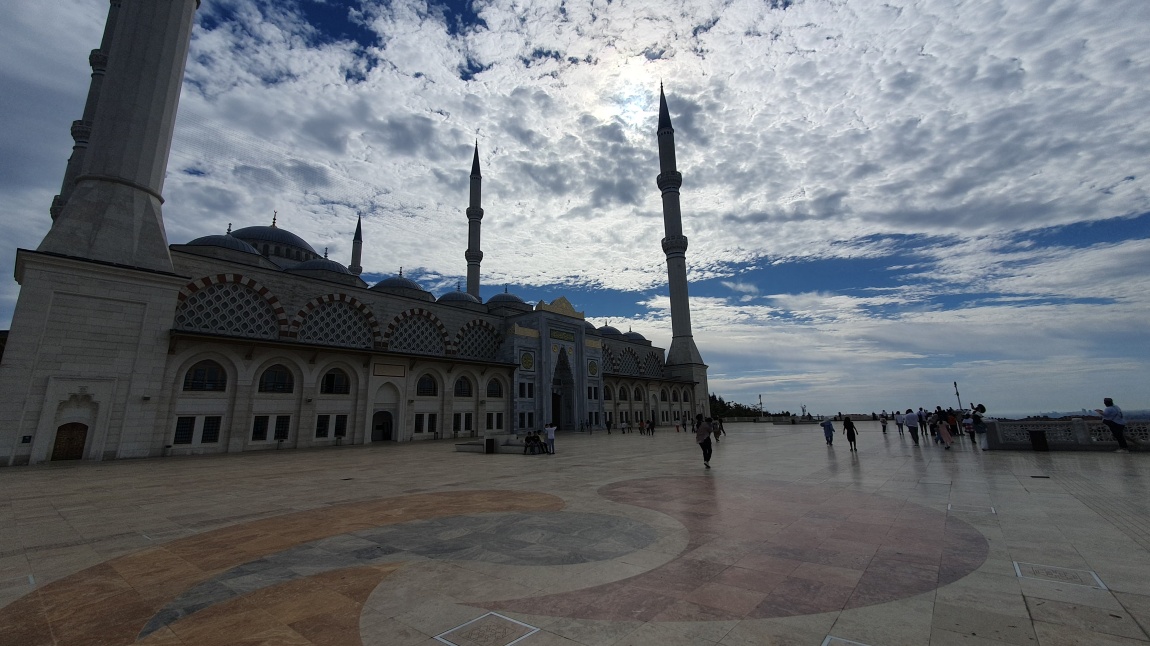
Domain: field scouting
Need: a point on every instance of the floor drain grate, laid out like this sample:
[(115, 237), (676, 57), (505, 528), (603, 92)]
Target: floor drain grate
[(1086, 578), (491, 629), (972, 509)]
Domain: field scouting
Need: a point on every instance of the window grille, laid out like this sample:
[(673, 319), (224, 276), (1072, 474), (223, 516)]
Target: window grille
[(229, 308), (337, 323)]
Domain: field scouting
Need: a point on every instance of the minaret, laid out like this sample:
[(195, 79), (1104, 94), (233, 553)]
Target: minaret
[(474, 218), (82, 128), (356, 248), (113, 212), (683, 350)]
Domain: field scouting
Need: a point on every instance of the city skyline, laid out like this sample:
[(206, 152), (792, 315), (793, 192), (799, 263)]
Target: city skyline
[(880, 201)]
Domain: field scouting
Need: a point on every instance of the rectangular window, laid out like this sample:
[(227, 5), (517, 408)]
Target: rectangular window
[(467, 422), (527, 390), (596, 419), (522, 420), (494, 421), (591, 419), (490, 421), (185, 428), (531, 420), (321, 425), (431, 418), (457, 423), (419, 422), (211, 433), (260, 429), (590, 393), (283, 423), (341, 425)]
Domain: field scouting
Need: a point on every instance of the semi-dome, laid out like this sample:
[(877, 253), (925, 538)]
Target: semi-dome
[(458, 297), (607, 330), (225, 241), (321, 264), (634, 336), (505, 297), (272, 234), (397, 282)]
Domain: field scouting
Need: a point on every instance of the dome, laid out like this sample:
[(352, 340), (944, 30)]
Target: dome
[(505, 297), (274, 235), (225, 241), (588, 327), (458, 297), (634, 336), (397, 282), (321, 264), (607, 330)]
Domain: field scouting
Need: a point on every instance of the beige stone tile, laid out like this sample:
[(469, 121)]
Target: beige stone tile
[(791, 631), (1088, 618), (1075, 594), (1063, 635), (906, 622), (980, 623), (940, 637)]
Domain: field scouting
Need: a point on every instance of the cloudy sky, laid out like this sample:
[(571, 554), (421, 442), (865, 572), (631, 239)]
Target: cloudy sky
[(881, 198)]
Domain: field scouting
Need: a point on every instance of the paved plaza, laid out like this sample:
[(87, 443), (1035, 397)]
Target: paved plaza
[(615, 540)]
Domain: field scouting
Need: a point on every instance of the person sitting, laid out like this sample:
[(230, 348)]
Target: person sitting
[(531, 444)]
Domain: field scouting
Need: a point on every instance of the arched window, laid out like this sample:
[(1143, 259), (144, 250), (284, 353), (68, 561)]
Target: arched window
[(674, 395), (206, 375), (686, 396), (426, 387), (335, 382), (463, 387), (638, 395), (607, 393), (276, 379), (622, 393), (494, 389), (663, 395)]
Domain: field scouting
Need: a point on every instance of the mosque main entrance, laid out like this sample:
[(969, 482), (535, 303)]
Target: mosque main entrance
[(563, 394), (70, 441), (382, 429)]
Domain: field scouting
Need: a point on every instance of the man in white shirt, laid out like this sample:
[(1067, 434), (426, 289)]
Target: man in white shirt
[(1114, 420), (550, 431)]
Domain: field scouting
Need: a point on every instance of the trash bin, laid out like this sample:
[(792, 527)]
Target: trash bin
[(1038, 441), (489, 445)]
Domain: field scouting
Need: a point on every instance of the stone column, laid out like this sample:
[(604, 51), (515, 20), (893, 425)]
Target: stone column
[(113, 214)]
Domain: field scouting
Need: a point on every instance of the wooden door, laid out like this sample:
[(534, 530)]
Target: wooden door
[(70, 440)]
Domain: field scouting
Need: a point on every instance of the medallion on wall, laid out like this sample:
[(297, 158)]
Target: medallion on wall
[(527, 361)]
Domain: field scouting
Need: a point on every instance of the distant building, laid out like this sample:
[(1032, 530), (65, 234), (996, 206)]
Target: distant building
[(124, 346)]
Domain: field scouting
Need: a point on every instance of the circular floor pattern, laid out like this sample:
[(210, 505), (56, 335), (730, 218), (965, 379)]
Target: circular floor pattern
[(761, 549)]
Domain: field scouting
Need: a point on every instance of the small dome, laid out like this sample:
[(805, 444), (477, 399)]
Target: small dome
[(589, 328), (505, 297), (397, 282), (273, 235), (225, 241), (634, 336), (607, 330), (321, 264), (458, 297)]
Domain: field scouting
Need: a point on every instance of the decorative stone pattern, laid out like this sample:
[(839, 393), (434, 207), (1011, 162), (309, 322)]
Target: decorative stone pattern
[(1020, 431), (628, 363), (479, 340), (229, 304), (417, 331), (336, 323), (609, 362), (1139, 430), (653, 366)]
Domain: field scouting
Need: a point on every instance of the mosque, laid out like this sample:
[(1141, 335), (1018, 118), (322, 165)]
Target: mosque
[(124, 346)]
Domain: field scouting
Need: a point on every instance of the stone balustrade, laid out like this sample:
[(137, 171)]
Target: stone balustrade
[(1078, 434)]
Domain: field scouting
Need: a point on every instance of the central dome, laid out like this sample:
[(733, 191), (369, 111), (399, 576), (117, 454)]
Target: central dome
[(274, 235)]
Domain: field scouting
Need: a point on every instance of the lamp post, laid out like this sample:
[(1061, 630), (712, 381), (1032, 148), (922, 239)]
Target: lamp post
[(760, 406), (957, 395)]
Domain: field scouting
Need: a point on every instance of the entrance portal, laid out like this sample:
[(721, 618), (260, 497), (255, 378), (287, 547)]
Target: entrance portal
[(381, 427), (563, 394), (70, 441)]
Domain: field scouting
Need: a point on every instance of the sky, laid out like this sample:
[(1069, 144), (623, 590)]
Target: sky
[(881, 199)]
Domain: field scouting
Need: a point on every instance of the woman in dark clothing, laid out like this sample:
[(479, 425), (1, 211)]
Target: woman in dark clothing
[(850, 430)]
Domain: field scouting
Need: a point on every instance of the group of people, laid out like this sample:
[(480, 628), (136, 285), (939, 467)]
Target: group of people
[(645, 428), (533, 444), (942, 425)]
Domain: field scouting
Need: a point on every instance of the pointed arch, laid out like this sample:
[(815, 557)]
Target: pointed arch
[(230, 304), (478, 339), (336, 319), (629, 362), (417, 331)]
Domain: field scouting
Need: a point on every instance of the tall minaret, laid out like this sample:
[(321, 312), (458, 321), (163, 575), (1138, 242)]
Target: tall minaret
[(474, 218), (356, 248), (82, 128), (683, 358), (113, 213)]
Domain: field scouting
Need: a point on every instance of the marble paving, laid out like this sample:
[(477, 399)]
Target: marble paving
[(616, 539)]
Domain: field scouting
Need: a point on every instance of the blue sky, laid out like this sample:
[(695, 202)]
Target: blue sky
[(881, 200)]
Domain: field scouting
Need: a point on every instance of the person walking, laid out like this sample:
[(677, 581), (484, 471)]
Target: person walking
[(1114, 420), (850, 430), (882, 421), (703, 437), (911, 421), (549, 430), (828, 431), (898, 419), (943, 430)]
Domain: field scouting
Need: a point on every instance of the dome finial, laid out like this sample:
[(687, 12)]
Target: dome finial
[(401, 272), (229, 228), (325, 253), (275, 214)]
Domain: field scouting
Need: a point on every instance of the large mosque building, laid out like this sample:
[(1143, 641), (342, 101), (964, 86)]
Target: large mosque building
[(124, 346)]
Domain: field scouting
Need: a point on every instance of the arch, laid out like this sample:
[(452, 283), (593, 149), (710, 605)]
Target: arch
[(417, 331), (675, 395), (629, 362), (653, 365), (609, 360), (335, 382), (494, 389), (638, 395), (277, 378), (427, 386), (463, 387), (230, 304), (71, 438), (663, 395), (336, 319), (206, 376), (478, 339), (624, 395), (606, 393)]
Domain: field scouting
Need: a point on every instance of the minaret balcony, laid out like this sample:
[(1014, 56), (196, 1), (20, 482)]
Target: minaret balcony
[(675, 245), (98, 59), (81, 131), (474, 213), (670, 180), (473, 256)]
